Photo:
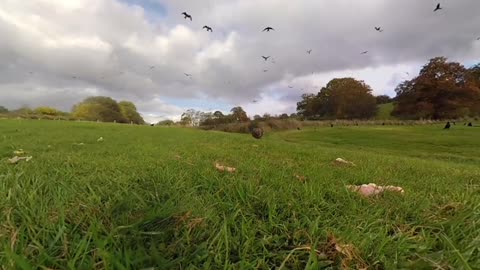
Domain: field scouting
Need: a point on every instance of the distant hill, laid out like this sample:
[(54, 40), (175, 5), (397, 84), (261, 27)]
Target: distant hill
[(384, 111)]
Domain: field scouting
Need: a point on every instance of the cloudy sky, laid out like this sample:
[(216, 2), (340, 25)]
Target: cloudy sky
[(57, 52)]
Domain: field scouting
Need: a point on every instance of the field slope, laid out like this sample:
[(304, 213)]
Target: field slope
[(150, 197)]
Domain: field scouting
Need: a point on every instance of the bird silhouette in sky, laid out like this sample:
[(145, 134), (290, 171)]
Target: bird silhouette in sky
[(188, 75), (309, 51), (265, 70), (365, 52), (152, 67), (268, 29), (187, 16), (437, 8), (209, 29), (379, 29), (290, 86), (265, 57)]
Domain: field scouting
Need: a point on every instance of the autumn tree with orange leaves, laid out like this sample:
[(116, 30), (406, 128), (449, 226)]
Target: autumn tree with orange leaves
[(442, 90)]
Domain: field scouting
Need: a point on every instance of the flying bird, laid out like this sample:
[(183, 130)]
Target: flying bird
[(365, 52), (407, 73), (255, 101), (265, 70), (188, 75), (379, 29), (478, 38), (187, 16), (437, 8), (152, 67), (309, 51), (209, 29), (268, 29), (265, 57), (290, 86)]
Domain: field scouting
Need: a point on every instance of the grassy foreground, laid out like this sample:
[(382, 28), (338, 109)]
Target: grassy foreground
[(150, 198)]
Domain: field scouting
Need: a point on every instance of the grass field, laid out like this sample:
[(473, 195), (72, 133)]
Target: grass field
[(384, 111), (150, 198)]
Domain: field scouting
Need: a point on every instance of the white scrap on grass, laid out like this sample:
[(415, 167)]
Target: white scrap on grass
[(372, 189), (100, 139), (19, 152), (16, 159), (224, 168), (79, 144), (341, 161)]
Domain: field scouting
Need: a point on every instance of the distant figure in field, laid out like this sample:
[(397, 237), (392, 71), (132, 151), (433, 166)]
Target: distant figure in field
[(383, 124), (470, 124), (152, 125), (298, 128), (331, 125), (447, 126), (454, 123)]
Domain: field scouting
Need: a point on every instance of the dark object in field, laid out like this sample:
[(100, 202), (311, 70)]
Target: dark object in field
[(209, 29), (447, 126), (298, 128), (331, 125), (454, 123), (257, 133), (152, 125), (187, 16), (383, 124), (437, 8), (268, 29), (470, 124)]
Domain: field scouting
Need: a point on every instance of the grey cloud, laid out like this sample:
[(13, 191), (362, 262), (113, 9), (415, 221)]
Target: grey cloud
[(109, 46)]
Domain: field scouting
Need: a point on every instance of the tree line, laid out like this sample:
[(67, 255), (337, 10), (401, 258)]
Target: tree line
[(96, 108), (442, 90)]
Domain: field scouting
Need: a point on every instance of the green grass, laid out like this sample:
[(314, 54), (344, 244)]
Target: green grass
[(130, 202), (384, 111)]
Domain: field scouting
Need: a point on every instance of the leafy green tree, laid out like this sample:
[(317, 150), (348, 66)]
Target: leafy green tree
[(3, 109), (129, 112), (100, 108), (344, 98), (44, 110), (239, 114), (166, 123), (383, 99)]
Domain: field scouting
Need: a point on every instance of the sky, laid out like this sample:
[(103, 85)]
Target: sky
[(57, 52)]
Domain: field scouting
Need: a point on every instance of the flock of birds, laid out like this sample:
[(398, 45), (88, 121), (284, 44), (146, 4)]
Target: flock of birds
[(207, 28), (448, 125)]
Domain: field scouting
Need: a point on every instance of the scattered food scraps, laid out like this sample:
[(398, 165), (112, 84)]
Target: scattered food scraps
[(100, 139), (372, 189), (19, 152), (16, 159), (224, 168), (301, 178), (79, 144), (341, 161)]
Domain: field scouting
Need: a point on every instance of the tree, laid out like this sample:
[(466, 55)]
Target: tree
[(383, 99), (442, 90), (218, 114), (3, 109), (239, 114), (283, 116), (344, 98), (100, 108), (194, 118), (308, 106), (44, 110), (166, 123), (129, 112)]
